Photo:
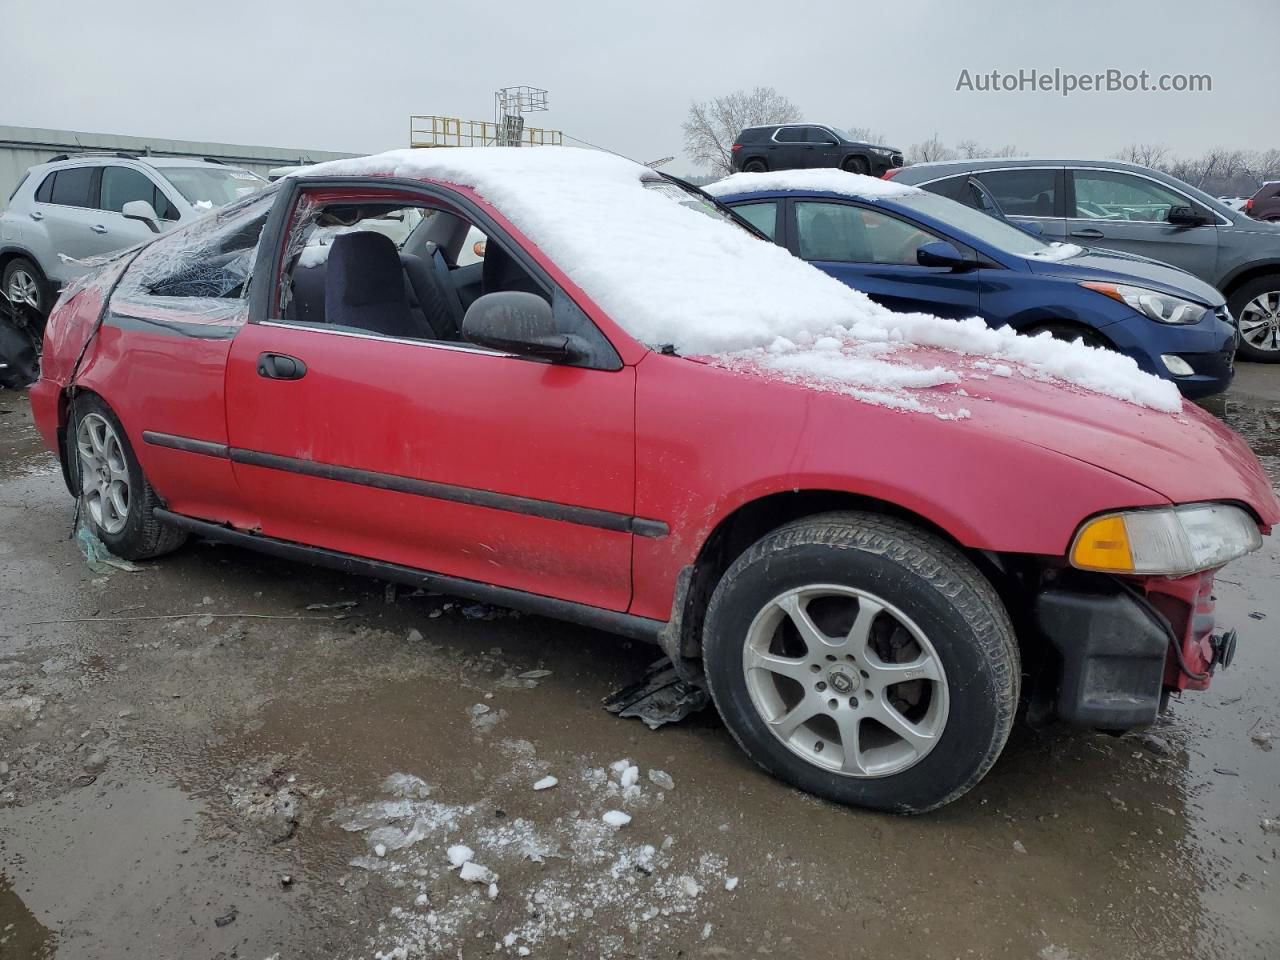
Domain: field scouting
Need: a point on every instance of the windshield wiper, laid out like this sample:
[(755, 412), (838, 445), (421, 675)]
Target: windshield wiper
[(737, 218)]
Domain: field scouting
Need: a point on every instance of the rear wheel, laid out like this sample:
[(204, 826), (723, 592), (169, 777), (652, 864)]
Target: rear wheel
[(864, 660), (856, 165), (755, 166), (116, 500), (25, 285), (1256, 307)]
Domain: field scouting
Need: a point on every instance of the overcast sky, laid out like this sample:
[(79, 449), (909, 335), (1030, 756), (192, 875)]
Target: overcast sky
[(338, 75)]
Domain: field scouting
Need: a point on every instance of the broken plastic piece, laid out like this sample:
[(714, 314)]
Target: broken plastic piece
[(96, 554), (660, 696)]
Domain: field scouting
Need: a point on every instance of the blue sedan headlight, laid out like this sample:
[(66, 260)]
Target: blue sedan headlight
[(1161, 307)]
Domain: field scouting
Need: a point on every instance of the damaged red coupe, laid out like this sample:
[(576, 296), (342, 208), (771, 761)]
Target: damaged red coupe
[(870, 537)]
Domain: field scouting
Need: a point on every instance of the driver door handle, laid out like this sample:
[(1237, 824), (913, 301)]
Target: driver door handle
[(98, 228), (37, 215), (280, 366), (1089, 234)]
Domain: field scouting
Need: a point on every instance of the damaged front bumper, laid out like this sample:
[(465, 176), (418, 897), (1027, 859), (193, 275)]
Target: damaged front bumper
[(1120, 644)]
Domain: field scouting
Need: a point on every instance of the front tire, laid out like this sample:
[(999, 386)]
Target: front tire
[(1256, 307), (863, 660), (116, 499), (856, 165)]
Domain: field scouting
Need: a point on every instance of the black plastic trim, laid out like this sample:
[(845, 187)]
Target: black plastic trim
[(546, 509), (185, 444), (625, 624)]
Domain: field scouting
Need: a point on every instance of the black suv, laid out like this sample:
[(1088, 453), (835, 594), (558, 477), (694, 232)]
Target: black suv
[(790, 146)]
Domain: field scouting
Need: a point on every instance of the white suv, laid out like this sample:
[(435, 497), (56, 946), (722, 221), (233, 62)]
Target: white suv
[(81, 206)]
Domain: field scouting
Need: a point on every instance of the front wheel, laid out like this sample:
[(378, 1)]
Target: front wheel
[(856, 165), (116, 500), (25, 285), (1256, 307), (863, 660)]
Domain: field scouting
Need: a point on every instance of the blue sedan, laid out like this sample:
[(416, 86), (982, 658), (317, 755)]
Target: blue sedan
[(911, 250)]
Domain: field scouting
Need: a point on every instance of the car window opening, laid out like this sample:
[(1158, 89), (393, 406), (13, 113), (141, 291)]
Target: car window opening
[(395, 270)]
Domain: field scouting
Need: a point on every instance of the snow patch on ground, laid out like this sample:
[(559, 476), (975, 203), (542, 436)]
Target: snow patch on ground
[(671, 274)]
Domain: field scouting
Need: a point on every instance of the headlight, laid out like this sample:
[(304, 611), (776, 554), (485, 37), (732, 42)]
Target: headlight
[(1161, 307), (1170, 541)]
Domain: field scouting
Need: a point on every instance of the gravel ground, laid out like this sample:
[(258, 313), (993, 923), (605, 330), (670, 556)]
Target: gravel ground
[(195, 763)]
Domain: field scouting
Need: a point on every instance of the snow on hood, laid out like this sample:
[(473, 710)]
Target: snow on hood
[(668, 273), (828, 180)]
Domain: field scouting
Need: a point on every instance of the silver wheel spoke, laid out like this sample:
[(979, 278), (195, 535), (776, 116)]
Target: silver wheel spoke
[(849, 723), (104, 473), (860, 632), (796, 609), (919, 738), (119, 495), (797, 670), (887, 674), (785, 725)]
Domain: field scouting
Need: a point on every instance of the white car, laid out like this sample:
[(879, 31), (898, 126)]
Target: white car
[(77, 207)]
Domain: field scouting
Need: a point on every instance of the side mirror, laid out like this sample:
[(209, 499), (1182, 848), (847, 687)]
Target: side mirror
[(143, 211), (1185, 217), (939, 253), (519, 323)]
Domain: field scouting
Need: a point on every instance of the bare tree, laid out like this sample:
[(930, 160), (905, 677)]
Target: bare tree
[(1260, 166), (972, 150), (1154, 155), (712, 124), (930, 150), (865, 135)]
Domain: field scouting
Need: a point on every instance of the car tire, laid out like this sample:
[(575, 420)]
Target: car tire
[(25, 284), (856, 165), (1070, 332), (931, 612), (1256, 307), (754, 165), (116, 500)]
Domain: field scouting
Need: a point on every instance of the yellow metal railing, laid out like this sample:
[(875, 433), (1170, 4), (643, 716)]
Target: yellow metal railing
[(426, 131)]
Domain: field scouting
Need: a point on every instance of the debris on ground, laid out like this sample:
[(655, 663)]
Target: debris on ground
[(227, 918), (268, 800), (731, 883), (534, 674), (338, 605), (661, 696), (662, 779), (473, 872), (1270, 825), (460, 854), (546, 783), (1018, 847), (96, 554), (1157, 744), (616, 818)]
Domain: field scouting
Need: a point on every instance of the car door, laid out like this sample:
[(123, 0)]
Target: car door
[(1118, 210), (875, 252), (791, 152), (437, 455), (118, 185), (824, 148), (1031, 195), (67, 205)]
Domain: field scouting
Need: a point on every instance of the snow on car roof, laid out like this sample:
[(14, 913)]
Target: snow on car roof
[(669, 273), (830, 180)]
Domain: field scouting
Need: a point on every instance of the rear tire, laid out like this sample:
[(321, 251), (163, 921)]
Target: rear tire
[(116, 499), (1256, 307), (754, 166), (904, 693), (25, 284), (856, 165)]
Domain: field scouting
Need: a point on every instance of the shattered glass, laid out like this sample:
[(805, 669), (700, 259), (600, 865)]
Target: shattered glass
[(199, 274)]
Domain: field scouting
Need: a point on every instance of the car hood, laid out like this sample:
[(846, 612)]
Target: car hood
[(1185, 457), (1118, 267)]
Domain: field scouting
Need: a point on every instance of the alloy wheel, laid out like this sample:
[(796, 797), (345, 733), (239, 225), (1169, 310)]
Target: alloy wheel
[(23, 289), (104, 473), (1260, 321), (845, 680)]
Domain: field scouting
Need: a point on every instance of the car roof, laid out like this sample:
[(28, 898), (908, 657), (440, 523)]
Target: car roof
[(80, 159), (827, 181), (934, 169)]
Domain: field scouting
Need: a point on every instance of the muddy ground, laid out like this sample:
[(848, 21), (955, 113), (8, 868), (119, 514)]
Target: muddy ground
[(221, 784)]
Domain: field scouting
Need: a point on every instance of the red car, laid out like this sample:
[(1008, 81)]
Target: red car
[(868, 535)]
